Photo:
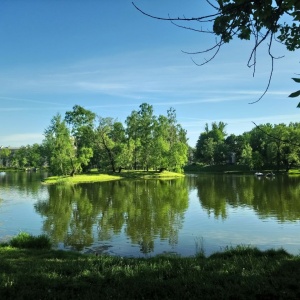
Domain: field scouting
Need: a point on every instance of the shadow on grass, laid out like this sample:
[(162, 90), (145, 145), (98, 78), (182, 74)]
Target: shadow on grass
[(234, 274)]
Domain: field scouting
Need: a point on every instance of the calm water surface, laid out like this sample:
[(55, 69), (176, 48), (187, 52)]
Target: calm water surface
[(149, 217)]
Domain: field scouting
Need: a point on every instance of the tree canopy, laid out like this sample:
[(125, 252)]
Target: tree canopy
[(264, 147), (147, 142)]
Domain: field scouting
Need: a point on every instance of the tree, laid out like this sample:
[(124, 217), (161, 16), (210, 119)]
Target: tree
[(211, 147), (132, 132), (59, 146), (4, 155), (20, 159), (262, 21), (246, 156), (145, 130), (81, 122), (62, 156), (110, 140), (160, 144)]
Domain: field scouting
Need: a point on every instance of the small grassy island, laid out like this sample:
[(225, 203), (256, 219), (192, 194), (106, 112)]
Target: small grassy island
[(94, 177), (30, 269)]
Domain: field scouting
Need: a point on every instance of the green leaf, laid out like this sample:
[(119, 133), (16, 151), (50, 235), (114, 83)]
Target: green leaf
[(295, 94), (298, 106), (296, 79)]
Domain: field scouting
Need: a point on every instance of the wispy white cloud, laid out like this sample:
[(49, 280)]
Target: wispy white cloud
[(13, 99)]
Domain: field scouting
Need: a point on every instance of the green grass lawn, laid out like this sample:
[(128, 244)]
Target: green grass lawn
[(82, 178), (240, 273)]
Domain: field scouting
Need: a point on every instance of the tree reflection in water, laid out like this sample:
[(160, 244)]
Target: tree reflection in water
[(277, 197), (144, 210)]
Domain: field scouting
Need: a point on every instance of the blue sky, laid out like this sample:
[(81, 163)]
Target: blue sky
[(109, 58)]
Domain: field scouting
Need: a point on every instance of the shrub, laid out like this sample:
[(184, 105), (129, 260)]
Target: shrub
[(28, 241)]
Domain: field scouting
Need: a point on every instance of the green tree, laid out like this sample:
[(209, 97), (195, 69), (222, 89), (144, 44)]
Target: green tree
[(20, 158), (211, 147), (246, 156), (61, 152), (59, 146), (81, 122), (208, 151), (146, 121), (132, 132), (4, 155), (110, 139), (276, 145), (178, 153), (160, 144), (291, 148), (35, 155)]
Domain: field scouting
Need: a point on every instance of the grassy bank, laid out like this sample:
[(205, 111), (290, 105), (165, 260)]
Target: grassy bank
[(241, 273), (231, 169), (198, 168), (82, 178)]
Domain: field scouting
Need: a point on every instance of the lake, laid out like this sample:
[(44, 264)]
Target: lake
[(142, 218)]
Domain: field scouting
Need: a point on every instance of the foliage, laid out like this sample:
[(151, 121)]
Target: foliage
[(63, 156), (111, 142), (252, 18), (297, 93), (81, 122), (4, 155), (59, 147), (147, 143), (28, 241), (265, 146), (261, 21), (242, 273), (211, 147), (157, 142)]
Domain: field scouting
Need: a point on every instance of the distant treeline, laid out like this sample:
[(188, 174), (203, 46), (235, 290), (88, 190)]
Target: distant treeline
[(81, 140), (265, 146)]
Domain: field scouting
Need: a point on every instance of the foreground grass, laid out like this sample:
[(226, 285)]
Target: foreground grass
[(241, 273), (108, 177)]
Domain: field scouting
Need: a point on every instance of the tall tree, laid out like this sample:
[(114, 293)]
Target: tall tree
[(81, 122), (4, 155), (146, 126), (59, 146), (110, 139), (63, 157), (132, 132), (211, 147)]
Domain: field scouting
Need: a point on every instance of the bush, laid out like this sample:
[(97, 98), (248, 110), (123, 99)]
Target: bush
[(28, 241)]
